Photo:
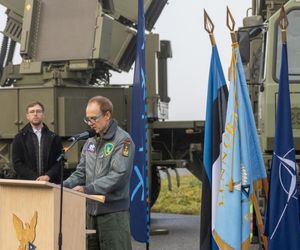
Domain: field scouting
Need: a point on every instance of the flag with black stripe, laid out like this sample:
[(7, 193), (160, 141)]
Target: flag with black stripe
[(216, 105)]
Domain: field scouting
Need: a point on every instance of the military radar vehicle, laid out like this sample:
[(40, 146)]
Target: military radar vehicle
[(69, 48), (260, 45)]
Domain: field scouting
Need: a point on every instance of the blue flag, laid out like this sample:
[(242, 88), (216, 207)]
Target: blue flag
[(216, 104), (242, 164), (282, 219), (139, 207)]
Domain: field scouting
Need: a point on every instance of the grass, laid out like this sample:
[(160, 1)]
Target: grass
[(185, 199)]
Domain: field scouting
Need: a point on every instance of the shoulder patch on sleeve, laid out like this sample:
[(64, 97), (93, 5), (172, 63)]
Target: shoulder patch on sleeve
[(126, 146)]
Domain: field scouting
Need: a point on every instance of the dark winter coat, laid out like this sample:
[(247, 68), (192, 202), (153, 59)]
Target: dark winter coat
[(25, 153)]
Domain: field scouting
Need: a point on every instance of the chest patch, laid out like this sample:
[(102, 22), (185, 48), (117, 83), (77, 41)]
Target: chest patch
[(91, 147), (108, 149)]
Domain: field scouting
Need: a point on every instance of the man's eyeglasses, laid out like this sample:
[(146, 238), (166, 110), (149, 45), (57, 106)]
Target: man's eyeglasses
[(92, 119)]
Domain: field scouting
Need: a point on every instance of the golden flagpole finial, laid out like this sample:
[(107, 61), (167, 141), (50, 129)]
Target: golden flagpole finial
[(283, 23), (231, 26), (209, 27)]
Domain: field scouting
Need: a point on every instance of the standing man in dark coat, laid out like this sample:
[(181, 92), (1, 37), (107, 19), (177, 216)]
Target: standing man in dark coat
[(36, 148)]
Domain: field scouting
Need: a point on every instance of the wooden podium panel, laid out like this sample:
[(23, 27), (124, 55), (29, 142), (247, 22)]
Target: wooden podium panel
[(24, 198)]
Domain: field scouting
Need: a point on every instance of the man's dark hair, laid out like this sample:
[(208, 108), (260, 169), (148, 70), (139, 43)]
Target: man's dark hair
[(32, 104)]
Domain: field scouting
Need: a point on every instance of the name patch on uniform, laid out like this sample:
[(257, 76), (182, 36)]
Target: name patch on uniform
[(91, 147), (125, 151), (108, 148)]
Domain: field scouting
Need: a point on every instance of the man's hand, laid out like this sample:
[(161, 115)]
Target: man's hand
[(43, 178), (79, 189)]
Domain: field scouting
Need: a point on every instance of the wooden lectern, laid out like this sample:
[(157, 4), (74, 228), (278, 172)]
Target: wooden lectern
[(29, 211)]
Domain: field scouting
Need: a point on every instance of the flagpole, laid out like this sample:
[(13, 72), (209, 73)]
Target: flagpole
[(283, 24), (231, 27), (209, 27), (260, 224)]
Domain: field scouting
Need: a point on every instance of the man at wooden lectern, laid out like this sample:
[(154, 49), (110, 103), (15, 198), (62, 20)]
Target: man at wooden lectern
[(36, 148), (105, 167)]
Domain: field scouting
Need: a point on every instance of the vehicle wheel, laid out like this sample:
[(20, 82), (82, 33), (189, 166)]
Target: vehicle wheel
[(155, 187)]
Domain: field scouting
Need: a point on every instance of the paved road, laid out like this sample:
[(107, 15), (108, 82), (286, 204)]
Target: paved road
[(184, 232)]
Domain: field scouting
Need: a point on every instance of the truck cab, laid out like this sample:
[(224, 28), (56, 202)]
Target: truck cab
[(260, 45)]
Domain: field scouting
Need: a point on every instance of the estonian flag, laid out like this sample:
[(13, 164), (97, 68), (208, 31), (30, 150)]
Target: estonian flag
[(216, 104)]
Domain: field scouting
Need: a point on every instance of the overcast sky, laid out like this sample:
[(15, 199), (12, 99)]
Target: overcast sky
[(181, 22)]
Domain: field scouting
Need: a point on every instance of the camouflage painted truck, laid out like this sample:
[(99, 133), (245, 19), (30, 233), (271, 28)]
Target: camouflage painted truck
[(69, 49)]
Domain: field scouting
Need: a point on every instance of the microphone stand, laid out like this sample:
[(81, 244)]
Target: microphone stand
[(62, 159)]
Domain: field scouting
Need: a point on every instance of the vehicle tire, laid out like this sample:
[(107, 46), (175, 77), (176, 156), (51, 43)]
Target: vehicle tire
[(155, 187)]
